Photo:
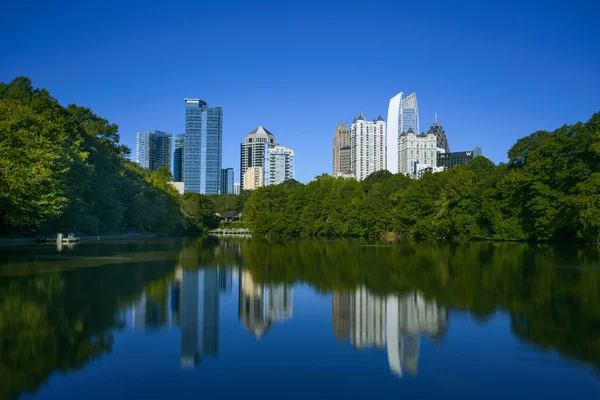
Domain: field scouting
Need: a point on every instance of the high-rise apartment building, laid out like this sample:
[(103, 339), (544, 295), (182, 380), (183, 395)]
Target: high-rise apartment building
[(236, 188), (203, 147), (254, 151), (414, 150), (367, 141), (179, 158), (341, 139), (279, 166), (253, 178), (153, 149), (227, 181), (403, 114), (440, 134)]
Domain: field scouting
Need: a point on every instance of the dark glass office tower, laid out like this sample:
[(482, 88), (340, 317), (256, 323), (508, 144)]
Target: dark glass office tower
[(179, 158), (203, 147), (227, 181)]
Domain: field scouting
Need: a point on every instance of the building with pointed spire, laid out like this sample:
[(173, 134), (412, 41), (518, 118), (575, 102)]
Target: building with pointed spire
[(440, 134), (341, 149), (403, 114), (367, 146)]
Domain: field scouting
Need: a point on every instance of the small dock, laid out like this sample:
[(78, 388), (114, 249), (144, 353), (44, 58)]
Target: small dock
[(60, 238), (229, 231)]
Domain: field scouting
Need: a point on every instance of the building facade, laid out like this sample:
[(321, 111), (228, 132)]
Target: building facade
[(367, 141), (416, 149), (253, 178), (179, 158), (345, 155), (451, 160), (403, 114), (203, 147), (279, 166), (227, 181), (254, 151), (236, 188), (440, 134), (153, 149), (341, 139)]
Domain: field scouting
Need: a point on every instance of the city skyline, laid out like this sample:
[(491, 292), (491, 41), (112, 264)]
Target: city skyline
[(477, 89)]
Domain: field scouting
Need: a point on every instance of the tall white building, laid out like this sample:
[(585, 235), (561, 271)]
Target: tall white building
[(236, 188), (415, 150), (403, 114), (279, 166), (367, 141)]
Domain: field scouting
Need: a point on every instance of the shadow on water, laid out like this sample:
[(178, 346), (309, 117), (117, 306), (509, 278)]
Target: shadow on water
[(60, 308)]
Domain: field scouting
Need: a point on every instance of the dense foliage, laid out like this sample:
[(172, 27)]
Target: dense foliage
[(548, 190), (63, 169)]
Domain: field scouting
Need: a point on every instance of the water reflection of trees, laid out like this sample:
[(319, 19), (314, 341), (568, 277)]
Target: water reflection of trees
[(59, 321), (552, 293)]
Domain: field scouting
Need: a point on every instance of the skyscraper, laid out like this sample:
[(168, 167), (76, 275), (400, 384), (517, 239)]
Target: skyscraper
[(403, 114), (227, 181), (153, 149), (254, 150), (179, 158), (367, 141), (341, 139), (416, 149), (440, 134), (203, 147), (236, 188), (280, 165)]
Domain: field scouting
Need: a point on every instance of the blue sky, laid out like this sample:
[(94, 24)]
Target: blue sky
[(494, 71)]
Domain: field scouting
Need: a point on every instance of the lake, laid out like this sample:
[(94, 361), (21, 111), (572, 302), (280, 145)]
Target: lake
[(210, 318)]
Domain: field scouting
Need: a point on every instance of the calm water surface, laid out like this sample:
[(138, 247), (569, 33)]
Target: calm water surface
[(208, 318)]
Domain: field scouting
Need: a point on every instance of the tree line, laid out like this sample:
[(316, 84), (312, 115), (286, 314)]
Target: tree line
[(63, 169), (548, 190)]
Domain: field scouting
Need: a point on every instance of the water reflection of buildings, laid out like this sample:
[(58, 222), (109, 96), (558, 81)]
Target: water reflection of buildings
[(394, 322), (260, 305), (200, 315), (192, 304)]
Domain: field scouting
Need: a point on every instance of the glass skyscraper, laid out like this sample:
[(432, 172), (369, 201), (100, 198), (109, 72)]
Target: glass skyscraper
[(227, 181), (403, 114), (179, 158), (153, 149), (203, 147)]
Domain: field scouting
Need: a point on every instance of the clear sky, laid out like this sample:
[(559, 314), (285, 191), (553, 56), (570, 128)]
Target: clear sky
[(494, 71)]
